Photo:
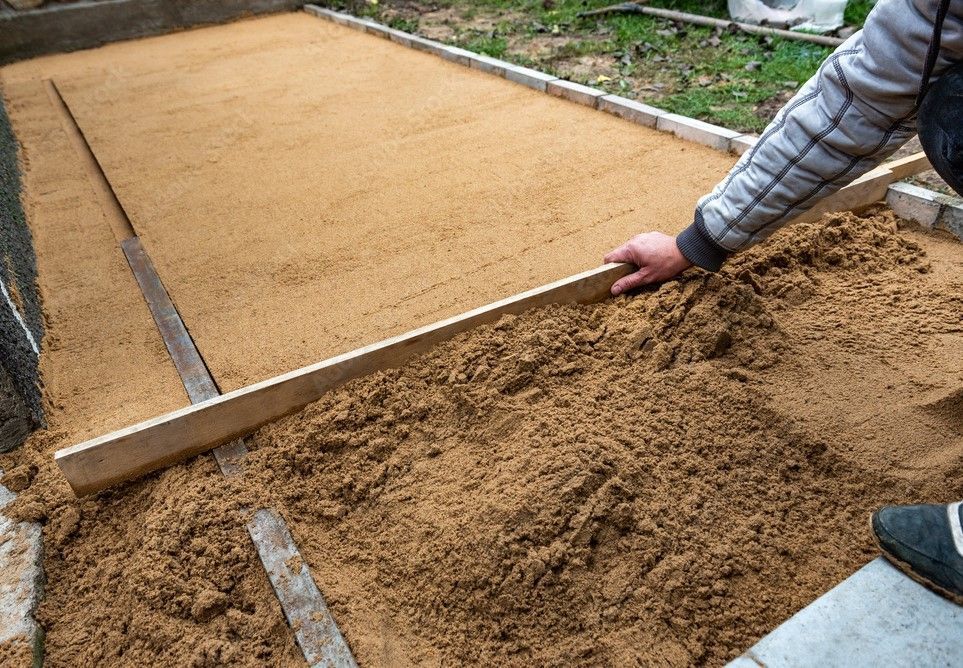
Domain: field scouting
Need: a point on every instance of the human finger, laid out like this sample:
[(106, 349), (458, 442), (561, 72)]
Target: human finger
[(621, 254), (630, 282)]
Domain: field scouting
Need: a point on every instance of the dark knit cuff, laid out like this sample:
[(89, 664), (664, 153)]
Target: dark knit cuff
[(698, 246)]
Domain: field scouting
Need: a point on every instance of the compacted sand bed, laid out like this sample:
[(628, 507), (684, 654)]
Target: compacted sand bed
[(305, 189)]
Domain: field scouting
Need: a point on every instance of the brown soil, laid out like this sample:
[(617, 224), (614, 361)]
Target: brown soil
[(662, 478), (305, 189)]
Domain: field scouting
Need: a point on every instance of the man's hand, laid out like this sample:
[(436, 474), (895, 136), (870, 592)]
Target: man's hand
[(655, 254)]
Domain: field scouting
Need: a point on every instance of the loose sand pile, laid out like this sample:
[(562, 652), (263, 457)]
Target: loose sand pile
[(663, 477), (624, 481)]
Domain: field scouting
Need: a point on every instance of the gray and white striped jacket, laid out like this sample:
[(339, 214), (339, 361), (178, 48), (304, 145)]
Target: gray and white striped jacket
[(855, 111)]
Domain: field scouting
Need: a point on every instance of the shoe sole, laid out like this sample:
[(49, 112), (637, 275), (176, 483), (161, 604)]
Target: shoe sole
[(907, 570)]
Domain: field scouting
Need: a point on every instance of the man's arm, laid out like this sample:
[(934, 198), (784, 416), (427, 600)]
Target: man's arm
[(858, 108)]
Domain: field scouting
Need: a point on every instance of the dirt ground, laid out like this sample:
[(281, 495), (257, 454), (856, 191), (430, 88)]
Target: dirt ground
[(305, 189), (656, 480)]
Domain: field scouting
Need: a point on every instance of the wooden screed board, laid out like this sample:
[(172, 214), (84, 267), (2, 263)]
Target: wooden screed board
[(125, 454)]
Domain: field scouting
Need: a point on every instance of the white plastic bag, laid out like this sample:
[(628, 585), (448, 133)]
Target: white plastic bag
[(817, 15)]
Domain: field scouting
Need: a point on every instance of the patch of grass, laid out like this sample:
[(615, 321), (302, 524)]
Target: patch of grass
[(857, 11), (403, 23), (731, 79), (487, 44)]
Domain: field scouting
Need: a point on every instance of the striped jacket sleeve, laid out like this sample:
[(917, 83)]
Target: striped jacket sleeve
[(857, 109)]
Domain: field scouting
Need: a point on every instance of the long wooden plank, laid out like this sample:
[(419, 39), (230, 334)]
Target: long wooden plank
[(125, 454), (869, 188), (307, 612), (187, 359), (301, 601)]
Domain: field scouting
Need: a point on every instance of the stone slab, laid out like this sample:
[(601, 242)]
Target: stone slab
[(630, 110), (574, 92), (21, 579), (876, 617), (697, 131)]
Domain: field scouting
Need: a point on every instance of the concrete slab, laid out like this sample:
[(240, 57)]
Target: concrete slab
[(631, 110), (876, 617), (575, 92), (21, 582)]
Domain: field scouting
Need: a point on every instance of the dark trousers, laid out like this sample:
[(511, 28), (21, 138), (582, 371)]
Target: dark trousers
[(940, 126)]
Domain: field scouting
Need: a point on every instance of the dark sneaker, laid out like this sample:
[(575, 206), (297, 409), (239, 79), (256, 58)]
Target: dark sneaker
[(926, 543)]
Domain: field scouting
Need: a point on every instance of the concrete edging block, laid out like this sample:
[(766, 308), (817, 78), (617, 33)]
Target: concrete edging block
[(951, 220), (742, 143), (456, 55), (876, 617), (21, 561), (488, 64), (399, 37), (426, 45), (697, 131), (378, 29), (914, 203), (630, 110), (574, 92), (930, 209), (529, 77)]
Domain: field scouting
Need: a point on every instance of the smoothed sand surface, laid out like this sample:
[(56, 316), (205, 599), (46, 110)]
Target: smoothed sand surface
[(305, 189)]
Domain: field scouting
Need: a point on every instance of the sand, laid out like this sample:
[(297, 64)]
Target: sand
[(664, 477), (305, 189), (656, 480), (124, 572), (269, 168)]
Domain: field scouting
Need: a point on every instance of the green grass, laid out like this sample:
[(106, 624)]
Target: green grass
[(731, 79), (856, 12)]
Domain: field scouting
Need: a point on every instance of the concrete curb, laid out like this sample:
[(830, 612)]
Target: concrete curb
[(575, 92), (89, 23), (932, 210), (690, 129)]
